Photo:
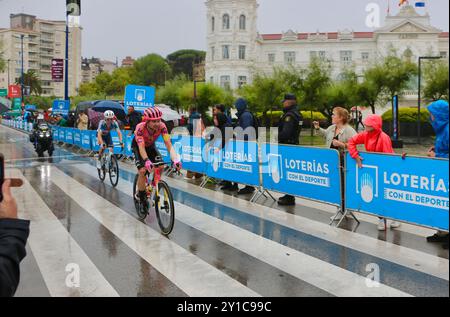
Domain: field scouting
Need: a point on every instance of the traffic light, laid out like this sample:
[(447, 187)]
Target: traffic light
[(73, 7)]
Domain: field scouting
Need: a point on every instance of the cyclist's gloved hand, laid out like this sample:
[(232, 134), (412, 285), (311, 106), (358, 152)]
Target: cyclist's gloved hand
[(177, 164), (104, 145), (121, 144), (148, 165)]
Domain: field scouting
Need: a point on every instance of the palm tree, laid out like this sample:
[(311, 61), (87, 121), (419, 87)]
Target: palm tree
[(31, 79)]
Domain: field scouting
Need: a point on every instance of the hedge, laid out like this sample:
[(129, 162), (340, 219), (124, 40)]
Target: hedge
[(408, 115)]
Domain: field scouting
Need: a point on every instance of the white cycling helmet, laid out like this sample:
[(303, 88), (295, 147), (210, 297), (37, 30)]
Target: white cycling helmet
[(109, 114)]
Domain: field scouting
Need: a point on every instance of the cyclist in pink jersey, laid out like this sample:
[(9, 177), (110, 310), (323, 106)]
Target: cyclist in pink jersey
[(143, 145)]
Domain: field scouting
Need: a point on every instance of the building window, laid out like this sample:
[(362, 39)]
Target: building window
[(322, 55), (271, 58), (443, 54), (211, 79), (225, 82), (242, 22), (241, 51), (213, 53), (242, 80), (289, 57), (226, 52), (346, 57), (226, 22), (213, 24), (365, 56)]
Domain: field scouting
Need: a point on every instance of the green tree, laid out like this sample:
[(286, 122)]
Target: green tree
[(182, 61), (436, 80), (264, 94), (151, 70), (31, 79), (209, 95), (398, 73), (120, 78), (170, 93), (89, 89), (102, 81)]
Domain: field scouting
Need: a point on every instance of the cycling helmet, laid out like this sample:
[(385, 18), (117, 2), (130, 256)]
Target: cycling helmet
[(109, 114), (152, 114)]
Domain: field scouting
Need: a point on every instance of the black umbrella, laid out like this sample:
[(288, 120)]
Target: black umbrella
[(82, 106), (114, 106)]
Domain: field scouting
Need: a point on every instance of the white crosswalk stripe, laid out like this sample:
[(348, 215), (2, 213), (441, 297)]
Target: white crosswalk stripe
[(323, 275), (48, 241), (192, 275)]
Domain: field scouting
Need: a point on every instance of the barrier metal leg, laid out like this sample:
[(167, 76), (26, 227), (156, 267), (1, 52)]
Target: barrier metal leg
[(344, 215), (261, 192)]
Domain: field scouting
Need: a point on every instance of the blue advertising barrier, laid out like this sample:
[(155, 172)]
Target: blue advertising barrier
[(311, 173), (116, 141), (86, 140), (189, 150), (127, 144), (94, 141), (237, 162), (55, 133), (69, 136), (165, 155), (77, 137), (62, 135), (413, 190)]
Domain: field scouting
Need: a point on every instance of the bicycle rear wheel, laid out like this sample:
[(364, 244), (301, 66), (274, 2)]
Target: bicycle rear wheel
[(165, 208), (114, 171), (141, 208)]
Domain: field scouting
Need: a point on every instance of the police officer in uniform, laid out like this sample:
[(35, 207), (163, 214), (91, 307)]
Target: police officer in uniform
[(289, 133)]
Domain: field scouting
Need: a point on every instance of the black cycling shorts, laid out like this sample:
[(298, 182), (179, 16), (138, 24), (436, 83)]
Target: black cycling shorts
[(152, 153), (107, 139)]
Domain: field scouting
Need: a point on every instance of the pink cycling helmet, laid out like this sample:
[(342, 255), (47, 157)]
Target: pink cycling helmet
[(152, 114)]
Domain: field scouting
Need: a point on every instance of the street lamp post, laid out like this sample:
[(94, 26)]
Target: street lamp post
[(21, 77), (66, 74), (419, 94), (9, 82)]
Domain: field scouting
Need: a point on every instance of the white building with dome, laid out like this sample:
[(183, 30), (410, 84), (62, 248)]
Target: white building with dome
[(236, 50)]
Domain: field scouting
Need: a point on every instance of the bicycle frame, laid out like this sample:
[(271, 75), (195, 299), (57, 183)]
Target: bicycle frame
[(157, 172)]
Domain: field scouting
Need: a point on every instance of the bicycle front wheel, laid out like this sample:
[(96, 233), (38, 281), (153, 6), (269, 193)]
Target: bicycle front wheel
[(114, 171), (165, 208)]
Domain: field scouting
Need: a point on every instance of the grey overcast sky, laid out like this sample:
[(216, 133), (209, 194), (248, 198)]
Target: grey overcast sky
[(136, 27)]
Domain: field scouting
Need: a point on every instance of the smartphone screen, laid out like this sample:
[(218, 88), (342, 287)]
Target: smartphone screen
[(2, 175)]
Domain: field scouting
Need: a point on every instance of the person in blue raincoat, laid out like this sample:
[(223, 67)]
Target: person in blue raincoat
[(439, 118)]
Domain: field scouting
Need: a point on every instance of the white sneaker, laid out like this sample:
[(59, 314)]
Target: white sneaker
[(381, 225), (395, 224), (99, 165)]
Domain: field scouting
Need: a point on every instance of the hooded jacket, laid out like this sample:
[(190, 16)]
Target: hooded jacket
[(374, 141), (439, 110), (13, 238)]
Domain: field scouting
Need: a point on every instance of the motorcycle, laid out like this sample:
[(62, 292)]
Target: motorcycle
[(42, 140)]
